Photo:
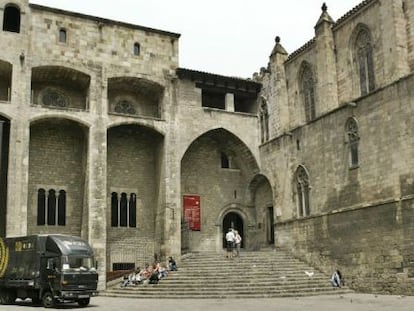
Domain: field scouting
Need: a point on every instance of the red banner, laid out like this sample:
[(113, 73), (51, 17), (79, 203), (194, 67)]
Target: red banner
[(191, 206)]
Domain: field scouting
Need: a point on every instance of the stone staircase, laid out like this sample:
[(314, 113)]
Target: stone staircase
[(260, 274)]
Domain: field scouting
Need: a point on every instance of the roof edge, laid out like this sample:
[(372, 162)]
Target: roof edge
[(103, 20)]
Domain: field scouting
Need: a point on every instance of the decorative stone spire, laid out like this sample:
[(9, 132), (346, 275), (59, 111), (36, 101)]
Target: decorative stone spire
[(324, 16), (278, 49)]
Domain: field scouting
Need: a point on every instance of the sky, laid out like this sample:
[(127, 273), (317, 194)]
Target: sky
[(225, 37)]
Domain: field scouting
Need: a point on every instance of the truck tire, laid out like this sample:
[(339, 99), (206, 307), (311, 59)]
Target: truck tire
[(47, 300), (84, 302)]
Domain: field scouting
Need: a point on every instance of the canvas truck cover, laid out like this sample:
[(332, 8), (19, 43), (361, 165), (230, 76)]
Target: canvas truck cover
[(20, 256)]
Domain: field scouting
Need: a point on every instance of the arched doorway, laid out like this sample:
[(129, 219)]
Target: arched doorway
[(235, 221)]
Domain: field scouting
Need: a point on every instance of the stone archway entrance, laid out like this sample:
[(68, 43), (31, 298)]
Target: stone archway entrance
[(235, 221)]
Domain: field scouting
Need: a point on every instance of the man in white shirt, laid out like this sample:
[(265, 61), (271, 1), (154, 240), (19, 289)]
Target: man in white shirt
[(230, 237)]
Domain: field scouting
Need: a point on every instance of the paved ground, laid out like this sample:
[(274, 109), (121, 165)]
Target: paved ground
[(348, 302)]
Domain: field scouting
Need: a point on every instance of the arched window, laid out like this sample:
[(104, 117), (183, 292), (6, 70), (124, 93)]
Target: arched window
[(41, 207), (351, 128), (62, 208), (302, 187), (264, 120), (114, 209), (11, 19), (62, 35), (307, 84), (137, 48), (123, 210), (51, 208), (225, 161), (132, 210), (365, 61)]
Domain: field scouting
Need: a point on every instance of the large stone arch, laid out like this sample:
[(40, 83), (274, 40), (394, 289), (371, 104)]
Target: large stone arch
[(58, 151), (218, 182), (261, 198), (135, 97), (135, 173), (60, 87)]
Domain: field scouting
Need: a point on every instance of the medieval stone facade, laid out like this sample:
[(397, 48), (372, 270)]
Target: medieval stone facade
[(102, 135)]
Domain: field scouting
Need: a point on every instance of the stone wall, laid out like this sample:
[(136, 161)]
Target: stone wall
[(360, 216)]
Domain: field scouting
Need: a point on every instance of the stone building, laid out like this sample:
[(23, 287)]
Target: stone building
[(104, 136)]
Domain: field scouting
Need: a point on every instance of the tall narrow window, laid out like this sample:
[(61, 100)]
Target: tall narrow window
[(264, 121), (353, 142), (41, 207), (302, 187), (62, 208), (365, 61), (123, 210), (132, 210), (11, 19), (307, 84), (225, 162), (114, 209), (51, 208), (62, 35), (137, 48)]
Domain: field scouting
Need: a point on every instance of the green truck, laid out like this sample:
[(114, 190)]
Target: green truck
[(49, 269)]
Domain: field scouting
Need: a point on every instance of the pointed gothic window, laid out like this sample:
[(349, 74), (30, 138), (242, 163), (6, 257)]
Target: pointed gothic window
[(264, 121), (352, 134), (307, 84), (365, 61), (302, 187)]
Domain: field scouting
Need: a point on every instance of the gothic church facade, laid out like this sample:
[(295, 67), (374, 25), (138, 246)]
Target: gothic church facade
[(104, 136)]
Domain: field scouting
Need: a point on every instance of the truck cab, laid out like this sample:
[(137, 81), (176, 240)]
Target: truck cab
[(49, 269)]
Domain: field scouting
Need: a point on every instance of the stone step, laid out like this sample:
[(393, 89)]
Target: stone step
[(252, 275)]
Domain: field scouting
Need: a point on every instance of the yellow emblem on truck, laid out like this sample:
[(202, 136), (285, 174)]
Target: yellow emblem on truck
[(4, 257)]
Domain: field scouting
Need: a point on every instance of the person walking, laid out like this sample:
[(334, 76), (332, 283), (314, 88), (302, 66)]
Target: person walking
[(230, 243), (237, 241)]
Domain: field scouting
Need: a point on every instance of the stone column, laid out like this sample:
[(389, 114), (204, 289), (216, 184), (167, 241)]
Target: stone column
[(277, 99), (326, 96), (229, 100), (171, 244), (18, 168), (96, 210)]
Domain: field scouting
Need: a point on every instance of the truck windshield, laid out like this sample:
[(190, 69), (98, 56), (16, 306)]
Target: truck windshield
[(78, 263)]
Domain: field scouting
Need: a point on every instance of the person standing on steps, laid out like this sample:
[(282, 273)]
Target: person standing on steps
[(230, 237), (237, 241)]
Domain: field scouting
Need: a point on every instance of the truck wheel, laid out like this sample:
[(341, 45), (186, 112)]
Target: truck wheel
[(84, 302), (47, 300)]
